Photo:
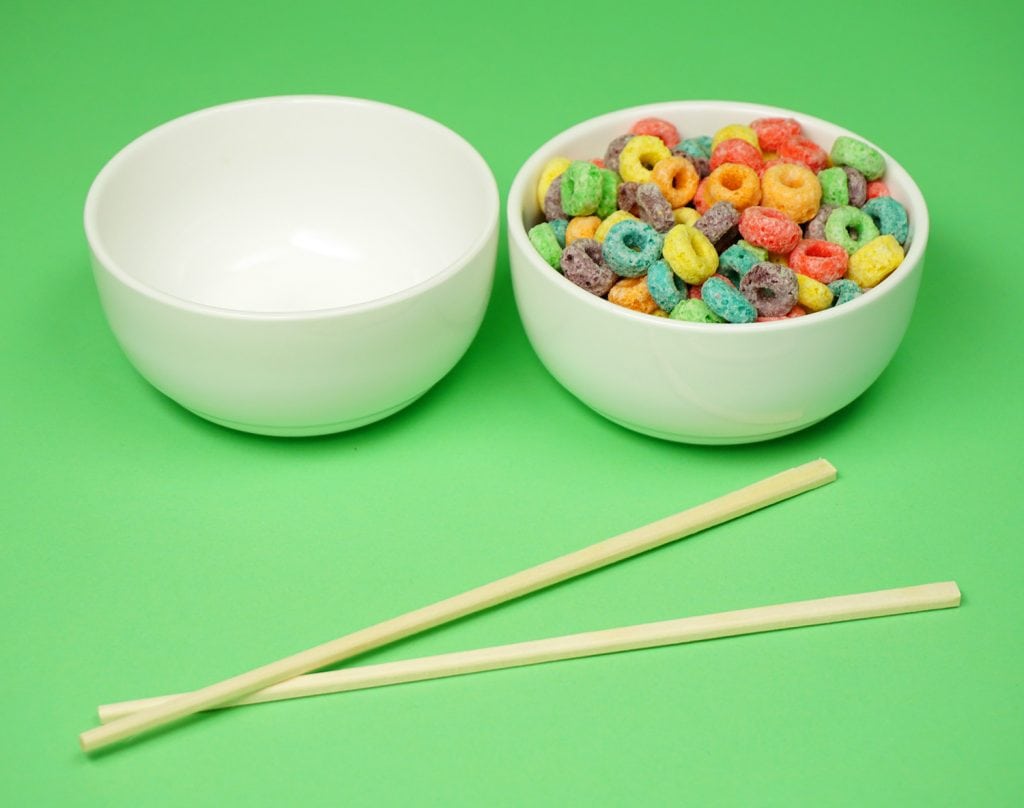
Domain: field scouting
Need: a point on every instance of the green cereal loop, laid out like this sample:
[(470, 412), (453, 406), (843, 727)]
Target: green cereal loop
[(694, 310), (544, 241), (844, 290), (844, 219), (847, 151), (582, 185), (609, 193), (759, 252), (835, 187)]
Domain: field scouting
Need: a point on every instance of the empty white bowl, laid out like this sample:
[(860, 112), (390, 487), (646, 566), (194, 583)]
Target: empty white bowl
[(296, 265), (695, 382)]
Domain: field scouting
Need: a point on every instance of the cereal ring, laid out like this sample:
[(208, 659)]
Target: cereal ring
[(581, 188), (770, 288), (734, 183), (842, 220), (890, 217), (770, 228), (877, 188), (630, 247), (872, 263), (694, 310), (699, 201), (559, 225), (662, 129), (696, 146), (552, 168), (844, 291), (608, 203), (793, 189), (691, 256), (581, 227), (799, 149), (654, 208), (611, 154), (736, 150), (553, 200), (760, 252), (667, 288), (610, 222), (812, 295), (736, 262), (773, 132), (582, 264), (816, 227), (834, 186), (639, 156), (686, 216), (719, 224), (856, 187), (544, 241), (735, 130), (723, 299), (848, 151), (821, 260), (632, 293), (677, 179), (626, 197)]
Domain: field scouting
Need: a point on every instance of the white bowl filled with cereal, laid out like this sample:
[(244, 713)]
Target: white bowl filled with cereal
[(712, 271)]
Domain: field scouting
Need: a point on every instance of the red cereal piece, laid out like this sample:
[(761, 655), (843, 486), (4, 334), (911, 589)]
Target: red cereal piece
[(597, 161), (694, 293), (699, 202), (877, 188), (823, 261), (799, 149), (657, 127), (770, 228), (773, 132), (735, 150)]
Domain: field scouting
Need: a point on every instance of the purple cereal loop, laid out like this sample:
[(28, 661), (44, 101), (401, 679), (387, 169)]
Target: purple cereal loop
[(771, 288), (857, 186), (721, 225), (815, 228), (553, 201), (611, 154), (626, 197), (583, 264), (654, 208)]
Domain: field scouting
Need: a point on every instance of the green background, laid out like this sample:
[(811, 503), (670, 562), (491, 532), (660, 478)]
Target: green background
[(147, 551)]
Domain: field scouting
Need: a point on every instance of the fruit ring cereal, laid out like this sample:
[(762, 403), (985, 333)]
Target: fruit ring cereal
[(631, 247)]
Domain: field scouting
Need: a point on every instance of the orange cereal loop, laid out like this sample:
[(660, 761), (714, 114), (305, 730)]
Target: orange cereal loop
[(632, 293), (581, 227), (793, 189), (734, 183), (677, 179)]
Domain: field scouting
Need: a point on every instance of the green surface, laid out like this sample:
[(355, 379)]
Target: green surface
[(146, 551)]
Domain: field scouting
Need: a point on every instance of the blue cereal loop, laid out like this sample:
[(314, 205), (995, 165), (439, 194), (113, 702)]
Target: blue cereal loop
[(667, 288), (726, 301), (736, 262), (631, 247), (890, 217), (844, 290), (559, 225)]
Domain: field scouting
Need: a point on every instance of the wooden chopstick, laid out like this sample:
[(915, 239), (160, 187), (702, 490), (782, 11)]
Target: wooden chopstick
[(759, 495), (837, 609)]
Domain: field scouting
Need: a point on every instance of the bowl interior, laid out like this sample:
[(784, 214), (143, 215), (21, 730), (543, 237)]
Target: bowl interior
[(290, 204)]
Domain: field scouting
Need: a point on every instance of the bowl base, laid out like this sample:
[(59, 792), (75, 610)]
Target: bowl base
[(707, 440), (305, 430)]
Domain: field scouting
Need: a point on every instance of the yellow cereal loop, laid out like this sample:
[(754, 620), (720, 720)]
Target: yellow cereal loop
[(640, 155), (735, 130), (691, 256), (811, 294), (685, 216), (581, 227), (610, 222), (552, 168), (873, 262)]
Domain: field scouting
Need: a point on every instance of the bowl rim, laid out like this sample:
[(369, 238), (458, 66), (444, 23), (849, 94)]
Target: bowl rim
[(526, 177), (113, 268)]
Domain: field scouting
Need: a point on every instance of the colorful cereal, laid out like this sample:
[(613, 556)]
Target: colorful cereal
[(691, 256), (583, 265), (846, 219), (889, 216), (631, 247)]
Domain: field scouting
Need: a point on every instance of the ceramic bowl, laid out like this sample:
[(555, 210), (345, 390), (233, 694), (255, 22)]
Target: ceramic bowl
[(694, 382), (295, 265)]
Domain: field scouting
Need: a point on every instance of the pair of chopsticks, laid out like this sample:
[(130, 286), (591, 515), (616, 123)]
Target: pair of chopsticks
[(285, 678)]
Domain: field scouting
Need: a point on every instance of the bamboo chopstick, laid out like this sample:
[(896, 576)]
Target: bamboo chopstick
[(842, 608), (761, 494)]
